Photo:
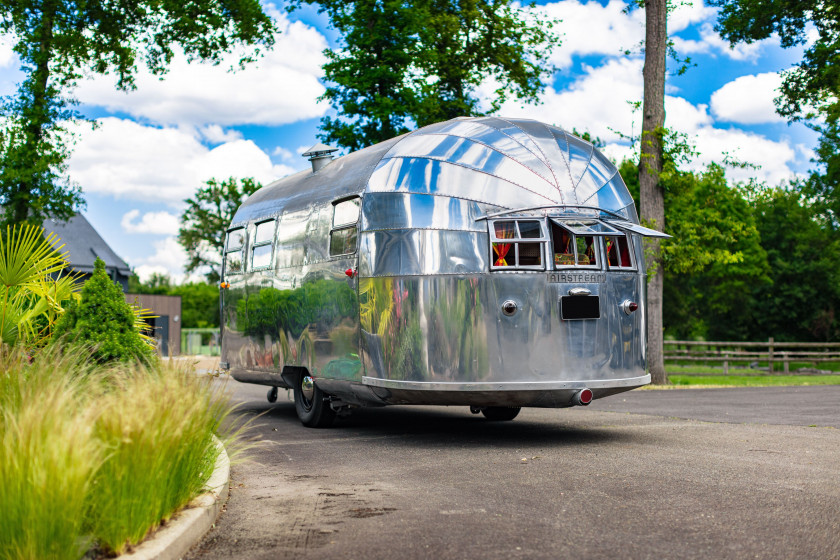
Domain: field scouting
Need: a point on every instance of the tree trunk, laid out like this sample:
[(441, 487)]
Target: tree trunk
[(650, 167), (36, 115)]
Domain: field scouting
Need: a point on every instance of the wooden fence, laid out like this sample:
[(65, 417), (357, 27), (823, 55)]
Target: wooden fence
[(770, 352)]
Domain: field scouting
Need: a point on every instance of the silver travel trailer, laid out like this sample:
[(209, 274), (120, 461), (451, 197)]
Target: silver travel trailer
[(486, 262)]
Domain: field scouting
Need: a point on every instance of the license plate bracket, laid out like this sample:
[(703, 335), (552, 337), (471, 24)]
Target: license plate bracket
[(577, 308)]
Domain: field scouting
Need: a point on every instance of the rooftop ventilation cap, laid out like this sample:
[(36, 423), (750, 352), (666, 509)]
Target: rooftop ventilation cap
[(319, 155)]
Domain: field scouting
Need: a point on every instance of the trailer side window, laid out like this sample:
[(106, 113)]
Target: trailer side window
[(262, 245), (571, 249), (517, 244), (618, 251), (233, 250), (343, 234)]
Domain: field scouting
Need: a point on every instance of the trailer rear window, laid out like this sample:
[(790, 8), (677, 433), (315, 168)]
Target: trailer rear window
[(517, 244), (572, 246), (343, 234), (619, 254)]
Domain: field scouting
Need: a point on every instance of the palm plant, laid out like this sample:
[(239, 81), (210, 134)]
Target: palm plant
[(33, 286)]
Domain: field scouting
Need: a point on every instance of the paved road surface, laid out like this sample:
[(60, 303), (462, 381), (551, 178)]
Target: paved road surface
[(723, 473)]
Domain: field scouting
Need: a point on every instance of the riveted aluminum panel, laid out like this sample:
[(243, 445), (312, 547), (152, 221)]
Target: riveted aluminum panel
[(580, 155), (425, 176), (420, 211), (410, 252), (515, 148), (291, 233), (341, 177)]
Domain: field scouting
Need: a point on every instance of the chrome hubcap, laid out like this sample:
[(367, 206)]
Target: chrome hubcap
[(307, 387)]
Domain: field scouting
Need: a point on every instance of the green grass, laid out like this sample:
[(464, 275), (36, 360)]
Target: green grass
[(98, 455), (753, 380)]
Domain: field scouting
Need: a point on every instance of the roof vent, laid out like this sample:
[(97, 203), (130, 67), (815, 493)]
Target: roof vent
[(319, 155)]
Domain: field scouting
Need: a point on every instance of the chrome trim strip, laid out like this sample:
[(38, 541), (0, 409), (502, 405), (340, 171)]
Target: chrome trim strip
[(506, 385), (550, 206)]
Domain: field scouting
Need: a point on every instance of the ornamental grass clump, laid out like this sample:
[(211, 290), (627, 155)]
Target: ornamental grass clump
[(156, 427), (98, 455), (48, 454)]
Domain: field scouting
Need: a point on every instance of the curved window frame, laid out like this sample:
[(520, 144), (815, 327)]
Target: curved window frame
[(232, 249), (630, 252), (261, 243), (513, 244), (343, 231), (578, 228)]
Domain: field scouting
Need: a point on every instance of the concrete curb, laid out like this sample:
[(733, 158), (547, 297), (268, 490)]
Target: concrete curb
[(190, 524)]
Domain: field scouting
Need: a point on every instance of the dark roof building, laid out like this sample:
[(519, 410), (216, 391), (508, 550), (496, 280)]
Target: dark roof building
[(83, 244)]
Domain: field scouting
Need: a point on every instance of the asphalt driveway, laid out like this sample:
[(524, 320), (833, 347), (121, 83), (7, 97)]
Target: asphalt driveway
[(719, 473)]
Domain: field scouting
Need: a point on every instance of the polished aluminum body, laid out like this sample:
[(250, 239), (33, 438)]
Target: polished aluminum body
[(419, 300)]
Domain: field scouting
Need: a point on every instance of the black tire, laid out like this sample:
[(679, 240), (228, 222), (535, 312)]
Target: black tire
[(500, 413), (314, 413)]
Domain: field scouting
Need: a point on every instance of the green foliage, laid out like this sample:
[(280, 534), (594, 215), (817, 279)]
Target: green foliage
[(60, 41), (422, 62), (199, 305), (715, 258), (199, 300), (104, 321), (754, 380), (157, 284), (803, 300), (204, 221), (32, 286), (746, 262)]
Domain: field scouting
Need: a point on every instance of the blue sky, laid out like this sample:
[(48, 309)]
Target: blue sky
[(155, 146)]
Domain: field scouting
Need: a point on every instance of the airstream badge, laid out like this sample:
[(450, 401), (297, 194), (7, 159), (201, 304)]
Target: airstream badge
[(576, 278)]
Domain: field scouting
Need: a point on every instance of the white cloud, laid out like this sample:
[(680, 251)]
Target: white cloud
[(284, 154), (712, 43), (169, 258), (684, 117), (127, 160), (7, 55), (598, 102), (748, 99), (601, 102), (280, 88), (775, 158), (595, 103), (161, 223), (215, 134), (590, 28), (687, 14)]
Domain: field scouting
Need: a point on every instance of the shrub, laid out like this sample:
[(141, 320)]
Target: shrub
[(104, 321)]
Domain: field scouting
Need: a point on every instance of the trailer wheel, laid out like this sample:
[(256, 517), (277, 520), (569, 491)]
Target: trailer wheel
[(500, 413), (311, 404)]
